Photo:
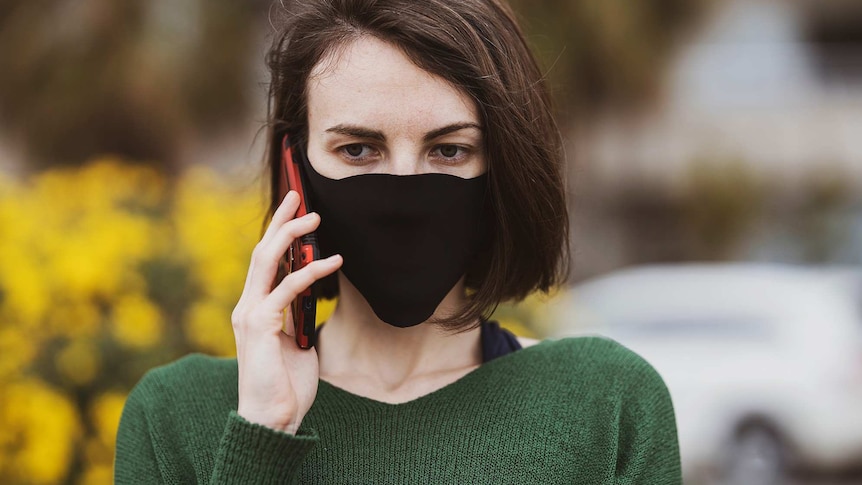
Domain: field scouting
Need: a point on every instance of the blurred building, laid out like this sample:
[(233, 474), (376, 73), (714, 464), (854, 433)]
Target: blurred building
[(766, 93)]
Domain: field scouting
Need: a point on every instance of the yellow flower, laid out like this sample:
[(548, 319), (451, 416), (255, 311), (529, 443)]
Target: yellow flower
[(73, 242), (217, 225), (136, 322), (105, 415), (43, 426), (73, 319), (325, 309), (97, 475), (23, 282), (97, 453), (208, 327), (77, 234), (79, 361), (17, 350)]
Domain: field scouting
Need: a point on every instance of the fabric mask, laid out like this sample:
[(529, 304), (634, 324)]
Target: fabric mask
[(406, 239)]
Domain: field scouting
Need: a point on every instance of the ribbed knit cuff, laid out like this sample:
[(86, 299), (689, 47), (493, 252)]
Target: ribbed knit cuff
[(252, 453)]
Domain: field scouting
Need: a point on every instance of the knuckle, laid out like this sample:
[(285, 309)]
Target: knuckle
[(321, 268), (266, 255), (240, 310), (293, 228), (314, 272), (292, 284), (237, 318), (255, 252), (244, 319)]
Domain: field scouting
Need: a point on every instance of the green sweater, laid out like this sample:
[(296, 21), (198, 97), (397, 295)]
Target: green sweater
[(580, 410)]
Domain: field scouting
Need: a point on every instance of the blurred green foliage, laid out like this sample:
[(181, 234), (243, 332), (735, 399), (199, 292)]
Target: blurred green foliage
[(85, 77), (820, 225), (136, 77), (606, 54), (723, 202)]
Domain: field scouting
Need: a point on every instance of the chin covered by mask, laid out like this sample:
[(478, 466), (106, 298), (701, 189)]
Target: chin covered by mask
[(406, 239)]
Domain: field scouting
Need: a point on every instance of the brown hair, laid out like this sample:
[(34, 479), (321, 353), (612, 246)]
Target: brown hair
[(478, 47)]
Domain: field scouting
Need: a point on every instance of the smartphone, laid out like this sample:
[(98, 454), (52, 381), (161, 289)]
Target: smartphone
[(303, 250)]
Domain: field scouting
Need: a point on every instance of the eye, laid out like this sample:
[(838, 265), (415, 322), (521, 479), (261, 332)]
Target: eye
[(357, 151), (450, 153)]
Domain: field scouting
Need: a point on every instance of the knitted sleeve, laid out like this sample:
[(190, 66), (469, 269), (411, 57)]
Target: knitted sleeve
[(161, 439), (251, 453), (648, 448)]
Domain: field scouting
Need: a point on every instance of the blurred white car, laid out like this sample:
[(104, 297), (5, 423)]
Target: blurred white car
[(763, 362)]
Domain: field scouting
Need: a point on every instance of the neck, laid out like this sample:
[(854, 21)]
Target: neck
[(355, 345)]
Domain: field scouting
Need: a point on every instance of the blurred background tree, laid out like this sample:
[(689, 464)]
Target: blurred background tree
[(138, 78), (82, 78), (820, 223), (606, 54)]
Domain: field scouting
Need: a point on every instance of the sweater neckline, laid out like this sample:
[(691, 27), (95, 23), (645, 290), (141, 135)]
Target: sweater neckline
[(453, 386)]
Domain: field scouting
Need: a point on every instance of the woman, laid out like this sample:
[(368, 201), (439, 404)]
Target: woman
[(433, 160)]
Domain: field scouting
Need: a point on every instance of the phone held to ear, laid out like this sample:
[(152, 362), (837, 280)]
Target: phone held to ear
[(301, 252)]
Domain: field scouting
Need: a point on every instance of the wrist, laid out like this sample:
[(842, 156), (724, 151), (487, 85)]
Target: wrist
[(284, 426)]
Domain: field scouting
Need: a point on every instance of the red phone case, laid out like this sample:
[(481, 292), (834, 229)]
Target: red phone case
[(302, 251)]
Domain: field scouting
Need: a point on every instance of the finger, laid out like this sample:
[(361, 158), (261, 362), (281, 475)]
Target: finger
[(248, 276), (298, 281), (269, 255), (261, 255), (285, 212)]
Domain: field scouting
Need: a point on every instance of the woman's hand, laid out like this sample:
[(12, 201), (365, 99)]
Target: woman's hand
[(277, 379)]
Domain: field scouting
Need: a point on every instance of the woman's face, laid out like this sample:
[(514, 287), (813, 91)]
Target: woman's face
[(371, 110)]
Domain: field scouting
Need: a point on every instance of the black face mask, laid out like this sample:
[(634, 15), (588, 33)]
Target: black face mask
[(406, 239)]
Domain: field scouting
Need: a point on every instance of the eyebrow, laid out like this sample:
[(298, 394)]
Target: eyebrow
[(357, 132), (450, 129), (360, 132)]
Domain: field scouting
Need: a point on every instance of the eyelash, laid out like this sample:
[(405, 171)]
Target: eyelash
[(355, 159), (463, 152)]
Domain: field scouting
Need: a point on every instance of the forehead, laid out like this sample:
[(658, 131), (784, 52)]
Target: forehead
[(372, 81)]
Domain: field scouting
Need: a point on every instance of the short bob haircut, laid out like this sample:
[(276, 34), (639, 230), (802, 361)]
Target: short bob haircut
[(478, 47)]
